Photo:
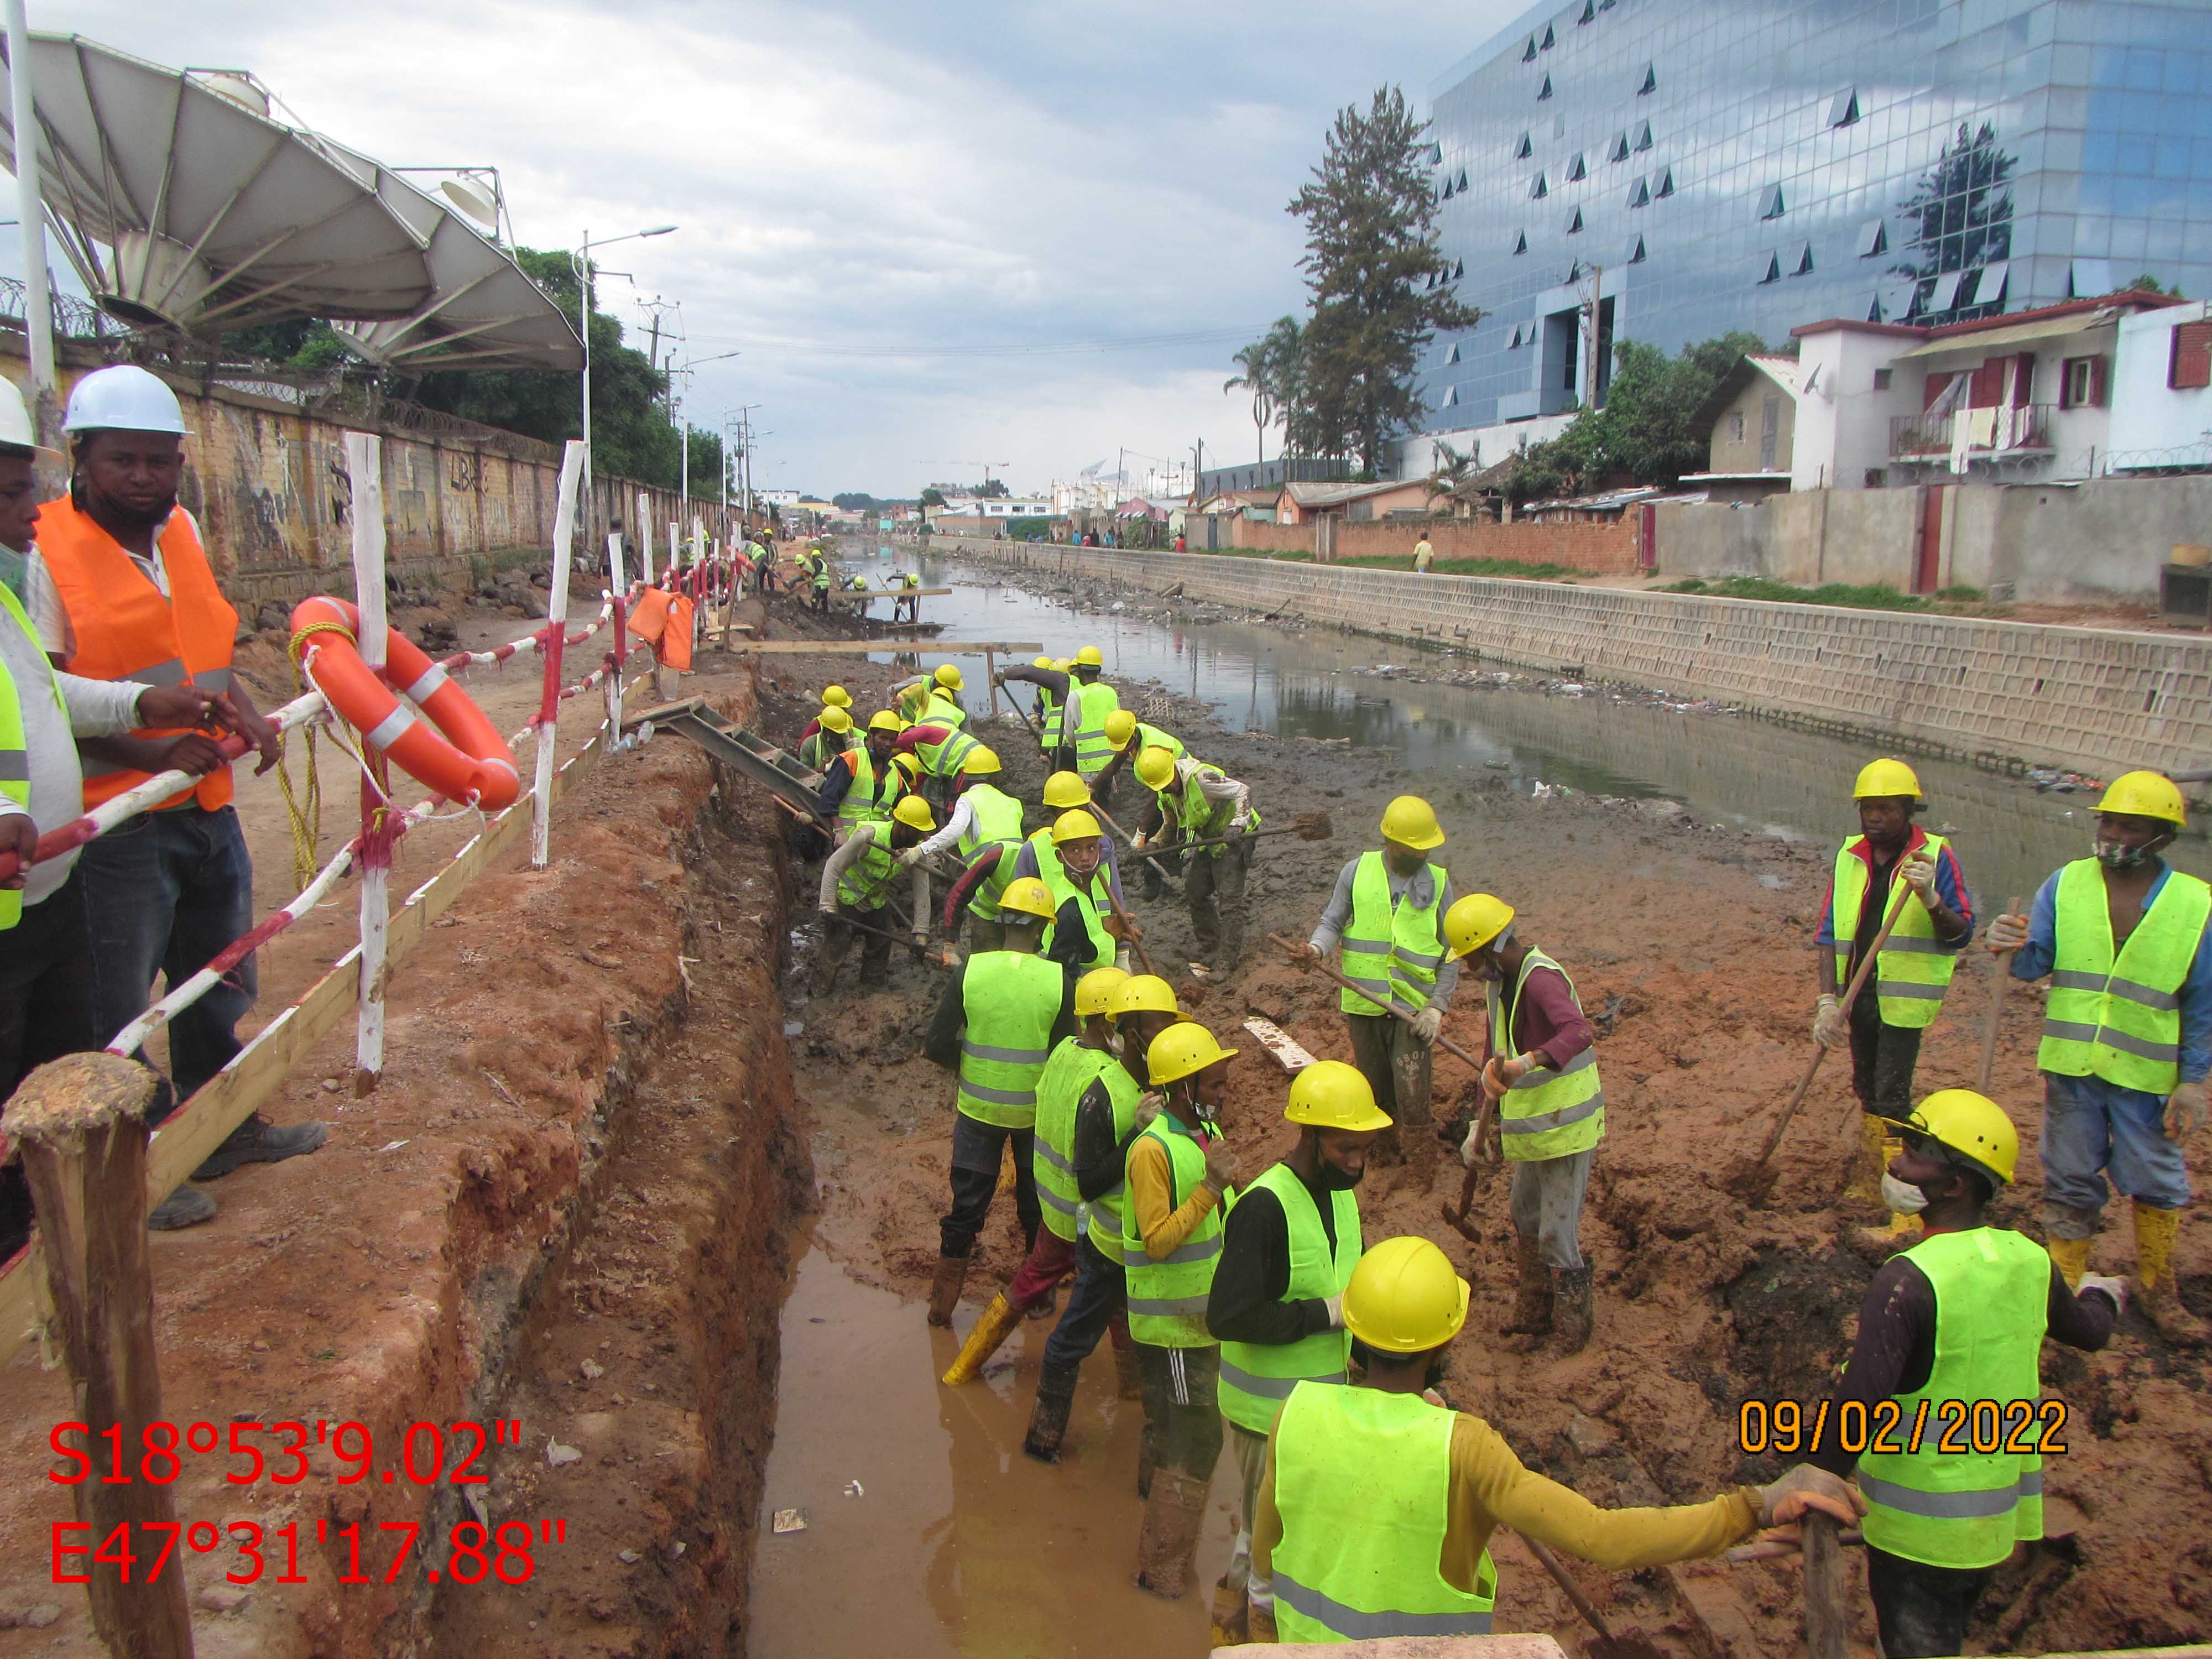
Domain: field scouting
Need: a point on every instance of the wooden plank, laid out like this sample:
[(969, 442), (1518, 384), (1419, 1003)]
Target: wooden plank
[(1288, 1053), (943, 648)]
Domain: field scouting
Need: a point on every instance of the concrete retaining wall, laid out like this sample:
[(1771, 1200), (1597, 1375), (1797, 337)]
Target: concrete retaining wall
[(1599, 548), (2097, 699)]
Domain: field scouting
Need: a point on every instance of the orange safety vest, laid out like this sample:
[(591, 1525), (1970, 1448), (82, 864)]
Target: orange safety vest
[(126, 631)]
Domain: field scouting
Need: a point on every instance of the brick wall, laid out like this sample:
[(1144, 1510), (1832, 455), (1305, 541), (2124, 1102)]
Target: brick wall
[(1599, 548), (2098, 700)]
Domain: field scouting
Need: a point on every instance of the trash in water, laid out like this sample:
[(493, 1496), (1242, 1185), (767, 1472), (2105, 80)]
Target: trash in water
[(790, 1521), (853, 1489), (557, 1454)]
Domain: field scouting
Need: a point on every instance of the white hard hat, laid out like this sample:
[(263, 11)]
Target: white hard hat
[(125, 397), (16, 430)]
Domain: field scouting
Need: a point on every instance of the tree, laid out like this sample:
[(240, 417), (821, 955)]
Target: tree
[(2147, 283), (1647, 431), (1961, 215), (1453, 469), (1255, 380), (1381, 288), (931, 496), (992, 489)]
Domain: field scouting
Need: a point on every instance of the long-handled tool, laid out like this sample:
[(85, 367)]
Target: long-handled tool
[(1478, 1165), (1135, 938), (1773, 1549), (1997, 1006), (1307, 826), (1327, 972), (1819, 1052), (1828, 1626), (919, 950), (1550, 1563)]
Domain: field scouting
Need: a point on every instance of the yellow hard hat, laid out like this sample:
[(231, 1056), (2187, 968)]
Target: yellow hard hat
[(833, 717), (948, 677), (1411, 822), (981, 762), (1145, 994), (1078, 825), (1090, 657), (2145, 795), (1970, 1125), (1028, 896), (1120, 727), (1472, 922), (1181, 1050), (1064, 789), (883, 720), (913, 811), (1062, 663), (837, 694), (1331, 1095), (1156, 768), (907, 766), (1404, 1298), (1095, 991), (1042, 662), (1887, 777)]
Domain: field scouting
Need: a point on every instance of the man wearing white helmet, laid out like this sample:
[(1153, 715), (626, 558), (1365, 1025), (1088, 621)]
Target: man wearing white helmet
[(46, 973), (121, 588)]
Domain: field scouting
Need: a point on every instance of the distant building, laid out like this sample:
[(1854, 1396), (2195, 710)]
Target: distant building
[(1355, 503), (1752, 417)]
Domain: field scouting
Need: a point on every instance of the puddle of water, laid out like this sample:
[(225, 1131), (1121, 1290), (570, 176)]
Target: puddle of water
[(958, 1544)]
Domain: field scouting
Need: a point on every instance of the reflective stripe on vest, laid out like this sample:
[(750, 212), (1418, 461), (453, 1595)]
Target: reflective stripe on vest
[(2120, 1019), (1108, 1211), (125, 630), (15, 747), (1092, 751), (1012, 1001), (1913, 968), (1257, 1377), (941, 710), (1385, 1458), (1391, 951), (1167, 1298), (1055, 876), (945, 759), (1947, 1505), (1071, 1070), (996, 821), (1546, 1114), (867, 880)]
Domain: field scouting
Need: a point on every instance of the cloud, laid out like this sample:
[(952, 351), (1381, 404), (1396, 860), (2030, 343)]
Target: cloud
[(874, 178)]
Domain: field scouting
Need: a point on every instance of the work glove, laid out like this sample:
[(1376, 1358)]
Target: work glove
[(1804, 1487), (1220, 1165), (1918, 873), (2115, 1288), (2007, 932), (1304, 957), (1140, 841), (910, 857), (1830, 1029), (1335, 1306), (1481, 1143), (1427, 1023), (2186, 1109)]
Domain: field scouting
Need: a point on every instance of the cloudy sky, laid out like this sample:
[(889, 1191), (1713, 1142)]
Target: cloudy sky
[(901, 214)]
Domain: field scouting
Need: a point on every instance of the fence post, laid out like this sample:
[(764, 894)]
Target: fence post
[(81, 1121), (556, 628), (365, 466), (616, 587)]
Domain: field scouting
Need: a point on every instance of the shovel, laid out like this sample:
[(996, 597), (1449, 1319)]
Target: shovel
[(921, 951), (1456, 1217), (1307, 826), (1327, 972)]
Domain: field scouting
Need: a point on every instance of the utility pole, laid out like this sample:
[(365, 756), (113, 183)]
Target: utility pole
[(1589, 339)]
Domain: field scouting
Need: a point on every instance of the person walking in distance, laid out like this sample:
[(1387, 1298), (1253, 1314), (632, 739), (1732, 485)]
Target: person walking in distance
[(1287, 1253), (1542, 1073), (1902, 999), (2127, 1036), (1388, 914), (1424, 554), (994, 1027)]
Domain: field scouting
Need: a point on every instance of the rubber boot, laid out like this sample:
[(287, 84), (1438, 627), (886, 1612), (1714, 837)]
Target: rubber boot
[(945, 1290), (1055, 1397), (1571, 1308), (983, 1341), (1876, 1150), (1532, 1295), (1127, 1384), (1231, 1622), (2072, 1255), (1878, 1244), (2162, 1286), (1160, 1553), (1148, 1458)]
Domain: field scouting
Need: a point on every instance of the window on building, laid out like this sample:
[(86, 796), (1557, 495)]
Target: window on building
[(2189, 358), (1514, 345), (1990, 289), (1770, 270), (1546, 91), (1944, 295), (1666, 184), (1589, 12), (1452, 355), (1520, 242), (1802, 262), (1642, 138), (1451, 397), (1522, 150), (1636, 252), (1649, 82), (1620, 150), (1445, 194), (1540, 190), (1575, 222), (1769, 203), (1736, 427), (1873, 238), (1575, 169), (1550, 39), (1638, 193), (1881, 380), (2081, 383), (1463, 178), (1529, 56), (1844, 107), (1459, 268)]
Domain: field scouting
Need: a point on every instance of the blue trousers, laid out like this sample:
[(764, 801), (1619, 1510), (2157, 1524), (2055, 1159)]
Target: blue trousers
[(2094, 1131), (164, 892), (1102, 1292)]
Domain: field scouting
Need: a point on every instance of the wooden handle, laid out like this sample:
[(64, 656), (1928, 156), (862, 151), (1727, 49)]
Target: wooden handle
[(1996, 1004), (1550, 1563), (1327, 972), (1121, 916), (1827, 1628)]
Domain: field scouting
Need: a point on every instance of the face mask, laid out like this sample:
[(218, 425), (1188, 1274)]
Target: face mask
[(1902, 1196), (11, 569), (2119, 856), (1335, 1180)]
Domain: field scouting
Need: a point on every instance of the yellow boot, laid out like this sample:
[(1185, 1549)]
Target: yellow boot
[(983, 1341), (2072, 1255), (1876, 1150), (1880, 1244), (2155, 1273)]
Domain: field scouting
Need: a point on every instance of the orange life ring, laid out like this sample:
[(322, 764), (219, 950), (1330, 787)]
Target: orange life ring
[(455, 750)]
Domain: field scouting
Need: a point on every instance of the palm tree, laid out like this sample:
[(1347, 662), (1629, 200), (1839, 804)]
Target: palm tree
[(1258, 379), (1285, 357), (1453, 469)]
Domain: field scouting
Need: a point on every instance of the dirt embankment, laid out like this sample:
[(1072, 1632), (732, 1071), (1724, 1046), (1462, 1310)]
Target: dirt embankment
[(1690, 942)]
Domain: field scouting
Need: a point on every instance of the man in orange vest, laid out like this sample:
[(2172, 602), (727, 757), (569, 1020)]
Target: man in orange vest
[(121, 589)]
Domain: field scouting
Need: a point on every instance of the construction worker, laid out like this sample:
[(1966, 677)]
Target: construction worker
[(1542, 1073), (1142, 1007), (994, 1028), (1057, 720), (1127, 737), (947, 682), (1388, 913), (121, 588), (1196, 802), (995, 865), (1287, 1253), (983, 815), (1086, 700), (861, 783), (1181, 1177), (907, 607), (1076, 1060), (822, 585), (1951, 1333), (824, 739), (1378, 1501), (942, 749), (1906, 992), (1072, 858), (932, 699), (2127, 1036), (856, 883)]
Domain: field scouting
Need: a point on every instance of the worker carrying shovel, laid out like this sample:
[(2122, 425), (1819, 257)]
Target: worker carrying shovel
[(1542, 1073), (1933, 924), (2127, 1036), (1377, 1503), (1946, 1362)]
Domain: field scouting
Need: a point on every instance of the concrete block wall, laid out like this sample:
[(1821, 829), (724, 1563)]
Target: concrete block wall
[(2096, 700), (1599, 548)]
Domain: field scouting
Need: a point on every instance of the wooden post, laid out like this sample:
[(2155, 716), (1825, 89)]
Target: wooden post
[(991, 679), (365, 467), (556, 627), (614, 686), (81, 1121), (1827, 1629)]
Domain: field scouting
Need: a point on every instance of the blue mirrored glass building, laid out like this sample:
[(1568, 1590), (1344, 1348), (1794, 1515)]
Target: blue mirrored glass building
[(1665, 171)]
